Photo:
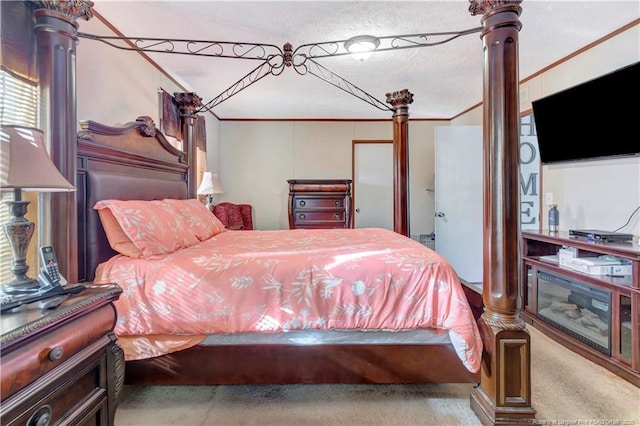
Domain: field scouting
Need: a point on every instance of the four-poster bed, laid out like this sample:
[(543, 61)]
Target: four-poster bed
[(504, 393), (146, 170)]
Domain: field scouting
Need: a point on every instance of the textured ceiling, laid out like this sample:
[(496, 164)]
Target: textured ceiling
[(445, 80)]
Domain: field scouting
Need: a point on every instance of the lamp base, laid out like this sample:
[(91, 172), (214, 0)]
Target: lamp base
[(19, 231), (21, 286)]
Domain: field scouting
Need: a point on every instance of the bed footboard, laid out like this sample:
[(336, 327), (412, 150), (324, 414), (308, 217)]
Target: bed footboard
[(295, 364)]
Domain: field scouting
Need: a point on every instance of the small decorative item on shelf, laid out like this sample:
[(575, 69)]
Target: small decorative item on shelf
[(554, 218)]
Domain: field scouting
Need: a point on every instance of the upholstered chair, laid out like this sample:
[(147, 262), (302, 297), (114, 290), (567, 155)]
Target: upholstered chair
[(234, 216)]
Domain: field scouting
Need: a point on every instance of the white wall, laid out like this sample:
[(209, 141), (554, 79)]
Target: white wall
[(258, 158), (594, 194), (115, 87)]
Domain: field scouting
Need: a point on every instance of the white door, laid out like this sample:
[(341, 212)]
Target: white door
[(373, 184), (458, 199)]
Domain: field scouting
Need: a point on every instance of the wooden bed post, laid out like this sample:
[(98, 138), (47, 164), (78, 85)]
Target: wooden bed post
[(504, 394), (400, 101), (189, 102), (56, 32)]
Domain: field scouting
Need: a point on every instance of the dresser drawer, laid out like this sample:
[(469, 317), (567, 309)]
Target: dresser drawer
[(74, 392), (343, 187), (38, 357), (320, 225), (315, 203), (319, 215)]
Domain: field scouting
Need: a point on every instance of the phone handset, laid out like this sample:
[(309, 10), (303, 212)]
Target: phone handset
[(50, 273)]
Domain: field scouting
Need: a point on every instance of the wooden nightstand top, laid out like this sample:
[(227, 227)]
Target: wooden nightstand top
[(17, 325)]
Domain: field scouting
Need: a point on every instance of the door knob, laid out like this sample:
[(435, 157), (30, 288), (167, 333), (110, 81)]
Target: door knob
[(357, 210), (439, 214)]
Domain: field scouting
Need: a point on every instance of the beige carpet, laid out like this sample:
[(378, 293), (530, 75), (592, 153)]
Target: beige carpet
[(566, 388)]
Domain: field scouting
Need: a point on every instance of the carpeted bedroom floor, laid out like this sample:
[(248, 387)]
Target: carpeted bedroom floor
[(566, 388)]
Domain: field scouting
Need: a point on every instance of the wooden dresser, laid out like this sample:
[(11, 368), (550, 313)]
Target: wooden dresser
[(320, 203), (64, 365)]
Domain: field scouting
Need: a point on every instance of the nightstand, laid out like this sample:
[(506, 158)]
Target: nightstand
[(62, 365)]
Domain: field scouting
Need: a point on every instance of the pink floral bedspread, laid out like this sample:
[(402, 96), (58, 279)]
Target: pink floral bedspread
[(273, 281)]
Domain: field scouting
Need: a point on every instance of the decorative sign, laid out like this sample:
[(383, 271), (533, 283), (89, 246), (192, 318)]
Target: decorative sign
[(529, 174)]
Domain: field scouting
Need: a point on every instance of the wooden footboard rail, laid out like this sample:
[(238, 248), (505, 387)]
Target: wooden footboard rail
[(290, 364)]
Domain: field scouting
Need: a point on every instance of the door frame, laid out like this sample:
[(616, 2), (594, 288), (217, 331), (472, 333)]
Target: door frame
[(354, 142)]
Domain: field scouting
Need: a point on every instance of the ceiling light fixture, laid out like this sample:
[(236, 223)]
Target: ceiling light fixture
[(362, 46)]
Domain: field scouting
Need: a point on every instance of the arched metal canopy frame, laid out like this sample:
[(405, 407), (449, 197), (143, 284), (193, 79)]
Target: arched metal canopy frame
[(274, 59)]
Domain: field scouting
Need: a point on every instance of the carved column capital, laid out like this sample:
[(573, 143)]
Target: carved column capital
[(400, 99), (485, 7), (188, 102), (74, 9)]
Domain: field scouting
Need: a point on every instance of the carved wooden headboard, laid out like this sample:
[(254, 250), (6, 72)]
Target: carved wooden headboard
[(130, 162)]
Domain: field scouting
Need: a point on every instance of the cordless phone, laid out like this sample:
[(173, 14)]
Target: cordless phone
[(50, 272)]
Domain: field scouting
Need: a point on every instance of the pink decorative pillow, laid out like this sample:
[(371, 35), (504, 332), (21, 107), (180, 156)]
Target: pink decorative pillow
[(152, 226), (118, 240), (197, 217)]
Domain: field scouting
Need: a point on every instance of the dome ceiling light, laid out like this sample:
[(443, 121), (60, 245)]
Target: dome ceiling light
[(362, 46)]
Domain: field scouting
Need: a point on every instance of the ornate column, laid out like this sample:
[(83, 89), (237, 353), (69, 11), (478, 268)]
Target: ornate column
[(56, 39), (504, 394), (189, 102), (400, 101)]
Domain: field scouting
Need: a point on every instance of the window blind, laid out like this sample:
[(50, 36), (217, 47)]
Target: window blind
[(18, 106)]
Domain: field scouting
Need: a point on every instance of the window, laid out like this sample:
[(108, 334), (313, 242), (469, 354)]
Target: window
[(19, 106)]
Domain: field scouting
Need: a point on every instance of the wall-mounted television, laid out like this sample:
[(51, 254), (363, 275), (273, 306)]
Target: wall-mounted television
[(594, 120)]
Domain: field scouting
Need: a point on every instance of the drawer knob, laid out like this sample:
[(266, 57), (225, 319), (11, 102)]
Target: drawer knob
[(56, 353), (42, 417), (303, 203), (337, 203), (302, 216), (336, 216)]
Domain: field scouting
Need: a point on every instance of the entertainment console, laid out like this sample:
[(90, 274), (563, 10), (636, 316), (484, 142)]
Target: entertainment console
[(596, 316)]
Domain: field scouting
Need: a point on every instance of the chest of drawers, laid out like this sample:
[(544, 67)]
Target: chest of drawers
[(320, 203), (64, 365)]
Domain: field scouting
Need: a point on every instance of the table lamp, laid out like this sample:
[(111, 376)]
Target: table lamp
[(210, 185), (25, 166)]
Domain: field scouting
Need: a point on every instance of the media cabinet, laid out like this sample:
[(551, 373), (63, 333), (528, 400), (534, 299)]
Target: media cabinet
[(596, 316)]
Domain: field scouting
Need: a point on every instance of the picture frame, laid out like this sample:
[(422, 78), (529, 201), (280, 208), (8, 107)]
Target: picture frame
[(169, 115)]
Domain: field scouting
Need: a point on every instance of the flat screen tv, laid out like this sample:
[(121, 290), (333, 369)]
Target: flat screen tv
[(594, 120)]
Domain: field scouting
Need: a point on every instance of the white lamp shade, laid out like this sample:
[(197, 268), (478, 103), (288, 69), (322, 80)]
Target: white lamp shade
[(210, 184), (25, 163)]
